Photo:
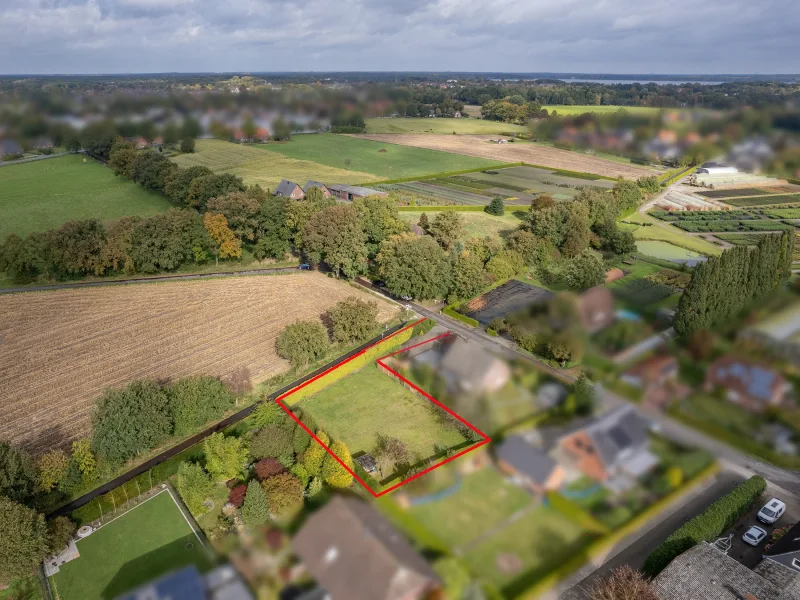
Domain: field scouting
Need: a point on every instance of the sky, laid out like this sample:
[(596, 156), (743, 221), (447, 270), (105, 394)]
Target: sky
[(573, 36)]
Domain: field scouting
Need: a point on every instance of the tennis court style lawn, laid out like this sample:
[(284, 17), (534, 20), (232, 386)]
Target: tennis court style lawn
[(40, 195), (368, 402), (146, 542), (387, 161)]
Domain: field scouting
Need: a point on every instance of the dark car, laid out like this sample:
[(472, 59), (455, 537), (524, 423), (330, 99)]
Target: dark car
[(379, 283), (304, 266)]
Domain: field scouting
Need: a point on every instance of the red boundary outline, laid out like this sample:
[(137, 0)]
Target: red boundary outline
[(486, 439)]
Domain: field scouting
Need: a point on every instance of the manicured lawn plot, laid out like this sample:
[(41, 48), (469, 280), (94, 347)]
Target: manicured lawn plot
[(265, 167), (653, 230), (483, 501), (149, 541), (40, 195), (369, 402), (441, 125), (476, 224), (764, 200), (387, 161), (528, 549)]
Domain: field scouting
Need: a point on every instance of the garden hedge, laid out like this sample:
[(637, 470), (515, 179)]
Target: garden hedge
[(338, 372), (575, 513), (450, 312), (707, 526), (423, 327)]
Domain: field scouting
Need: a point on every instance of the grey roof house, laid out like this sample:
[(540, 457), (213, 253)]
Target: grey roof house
[(528, 464), (318, 184), (786, 550), (289, 189), (748, 384), (468, 368), (355, 554)]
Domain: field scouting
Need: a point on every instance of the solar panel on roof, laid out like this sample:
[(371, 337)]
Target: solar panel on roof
[(620, 437)]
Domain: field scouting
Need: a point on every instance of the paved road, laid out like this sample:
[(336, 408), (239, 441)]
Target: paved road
[(156, 278), (634, 549)]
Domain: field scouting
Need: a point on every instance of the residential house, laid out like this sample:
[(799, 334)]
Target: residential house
[(786, 551), (613, 449), (222, 583), (706, 573), (318, 184), (140, 143), (289, 189), (354, 553), (596, 308), (748, 384), (351, 192), (416, 229), (529, 465), (469, 369), (657, 377)]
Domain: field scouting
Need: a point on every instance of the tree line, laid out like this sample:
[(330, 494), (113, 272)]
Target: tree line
[(723, 287)]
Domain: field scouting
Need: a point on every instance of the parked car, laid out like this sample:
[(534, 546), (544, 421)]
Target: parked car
[(754, 536), (304, 266), (407, 298), (772, 511), (379, 283)]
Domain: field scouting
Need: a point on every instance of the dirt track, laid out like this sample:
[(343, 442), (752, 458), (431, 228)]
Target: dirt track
[(481, 146)]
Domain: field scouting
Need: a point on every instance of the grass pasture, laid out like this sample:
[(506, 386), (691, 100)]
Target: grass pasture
[(387, 161), (647, 228), (144, 543), (368, 402), (580, 109), (63, 348), (265, 167), (442, 126), (40, 195)]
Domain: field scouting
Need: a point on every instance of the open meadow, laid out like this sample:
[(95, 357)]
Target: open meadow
[(534, 154), (40, 195), (442, 126), (61, 349), (143, 544), (265, 167), (603, 109), (387, 161)]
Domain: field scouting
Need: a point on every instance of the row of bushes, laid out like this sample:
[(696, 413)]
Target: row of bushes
[(744, 225), (354, 364), (442, 208), (706, 526), (451, 312)]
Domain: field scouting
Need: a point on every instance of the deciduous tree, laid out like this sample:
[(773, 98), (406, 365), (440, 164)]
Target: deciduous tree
[(194, 485), (447, 228), (23, 540), (584, 271), (302, 342), (52, 469), (468, 277), (316, 454), (353, 320), (379, 220), (226, 457), (83, 456), (59, 532), (194, 401), (17, 473), (284, 493), (203, 188), (224, 243), (414, 266), (334, 236)]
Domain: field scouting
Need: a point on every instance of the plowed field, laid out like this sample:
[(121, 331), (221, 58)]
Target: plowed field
[(59, 350), (480, 145)]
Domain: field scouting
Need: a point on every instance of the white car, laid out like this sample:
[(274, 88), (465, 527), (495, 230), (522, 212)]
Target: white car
[(771, 512), (754, 536)]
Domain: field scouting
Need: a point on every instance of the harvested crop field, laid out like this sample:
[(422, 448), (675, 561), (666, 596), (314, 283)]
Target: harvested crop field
[(482, 146), (61, 349)]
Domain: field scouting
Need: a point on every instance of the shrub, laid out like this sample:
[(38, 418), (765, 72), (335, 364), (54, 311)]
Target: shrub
[(459, 317), (423, 327), (226, 457), (315, 455), (271, 441), (237, 494), (302, 342), (300, 440), (353, 320), (255, 510), (194, 401), (268, 467), (496, 207), (194, 486), (334, 474), (624, 583), (267, 413), (300, 472), (284, 492), (706, 526), (59, 533), (491, 332), (314, 487)]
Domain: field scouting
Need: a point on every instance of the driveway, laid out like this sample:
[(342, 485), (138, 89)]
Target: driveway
[(640, 547), (747, 554)]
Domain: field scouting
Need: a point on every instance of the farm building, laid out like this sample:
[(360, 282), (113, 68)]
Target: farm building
[(712, 168), (318, 184), (351, 192), (289, 189)]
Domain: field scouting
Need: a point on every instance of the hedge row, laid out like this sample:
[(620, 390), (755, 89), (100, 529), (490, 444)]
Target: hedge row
[(706, 526), (675, 176), (444, 174), (450, 312), (427, 208), (575, 513), (352, 365)]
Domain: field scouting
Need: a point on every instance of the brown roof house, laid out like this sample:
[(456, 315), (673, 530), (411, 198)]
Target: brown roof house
[(657, 377), (748, 384), (289, 189), (613, 449), (596, 308), (355, 554), (705, 573), (528, 465)]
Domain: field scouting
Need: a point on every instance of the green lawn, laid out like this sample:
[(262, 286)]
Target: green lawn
[(442, 125), (44, 194), (387, 161), (368, 402), (475, 223), (539, 542), (150, 540), (662, 232), (483, 501), (579, 109)]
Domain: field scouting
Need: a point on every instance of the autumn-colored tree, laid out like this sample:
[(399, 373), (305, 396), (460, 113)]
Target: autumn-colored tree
[(84, 457), (624, 583), (334, 474), (268, 467), (316, 454), (237, 494), (52, 469), (284, 493), (225, 243)]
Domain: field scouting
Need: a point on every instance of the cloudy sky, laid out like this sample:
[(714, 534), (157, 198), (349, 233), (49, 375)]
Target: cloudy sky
[(611, 36)]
